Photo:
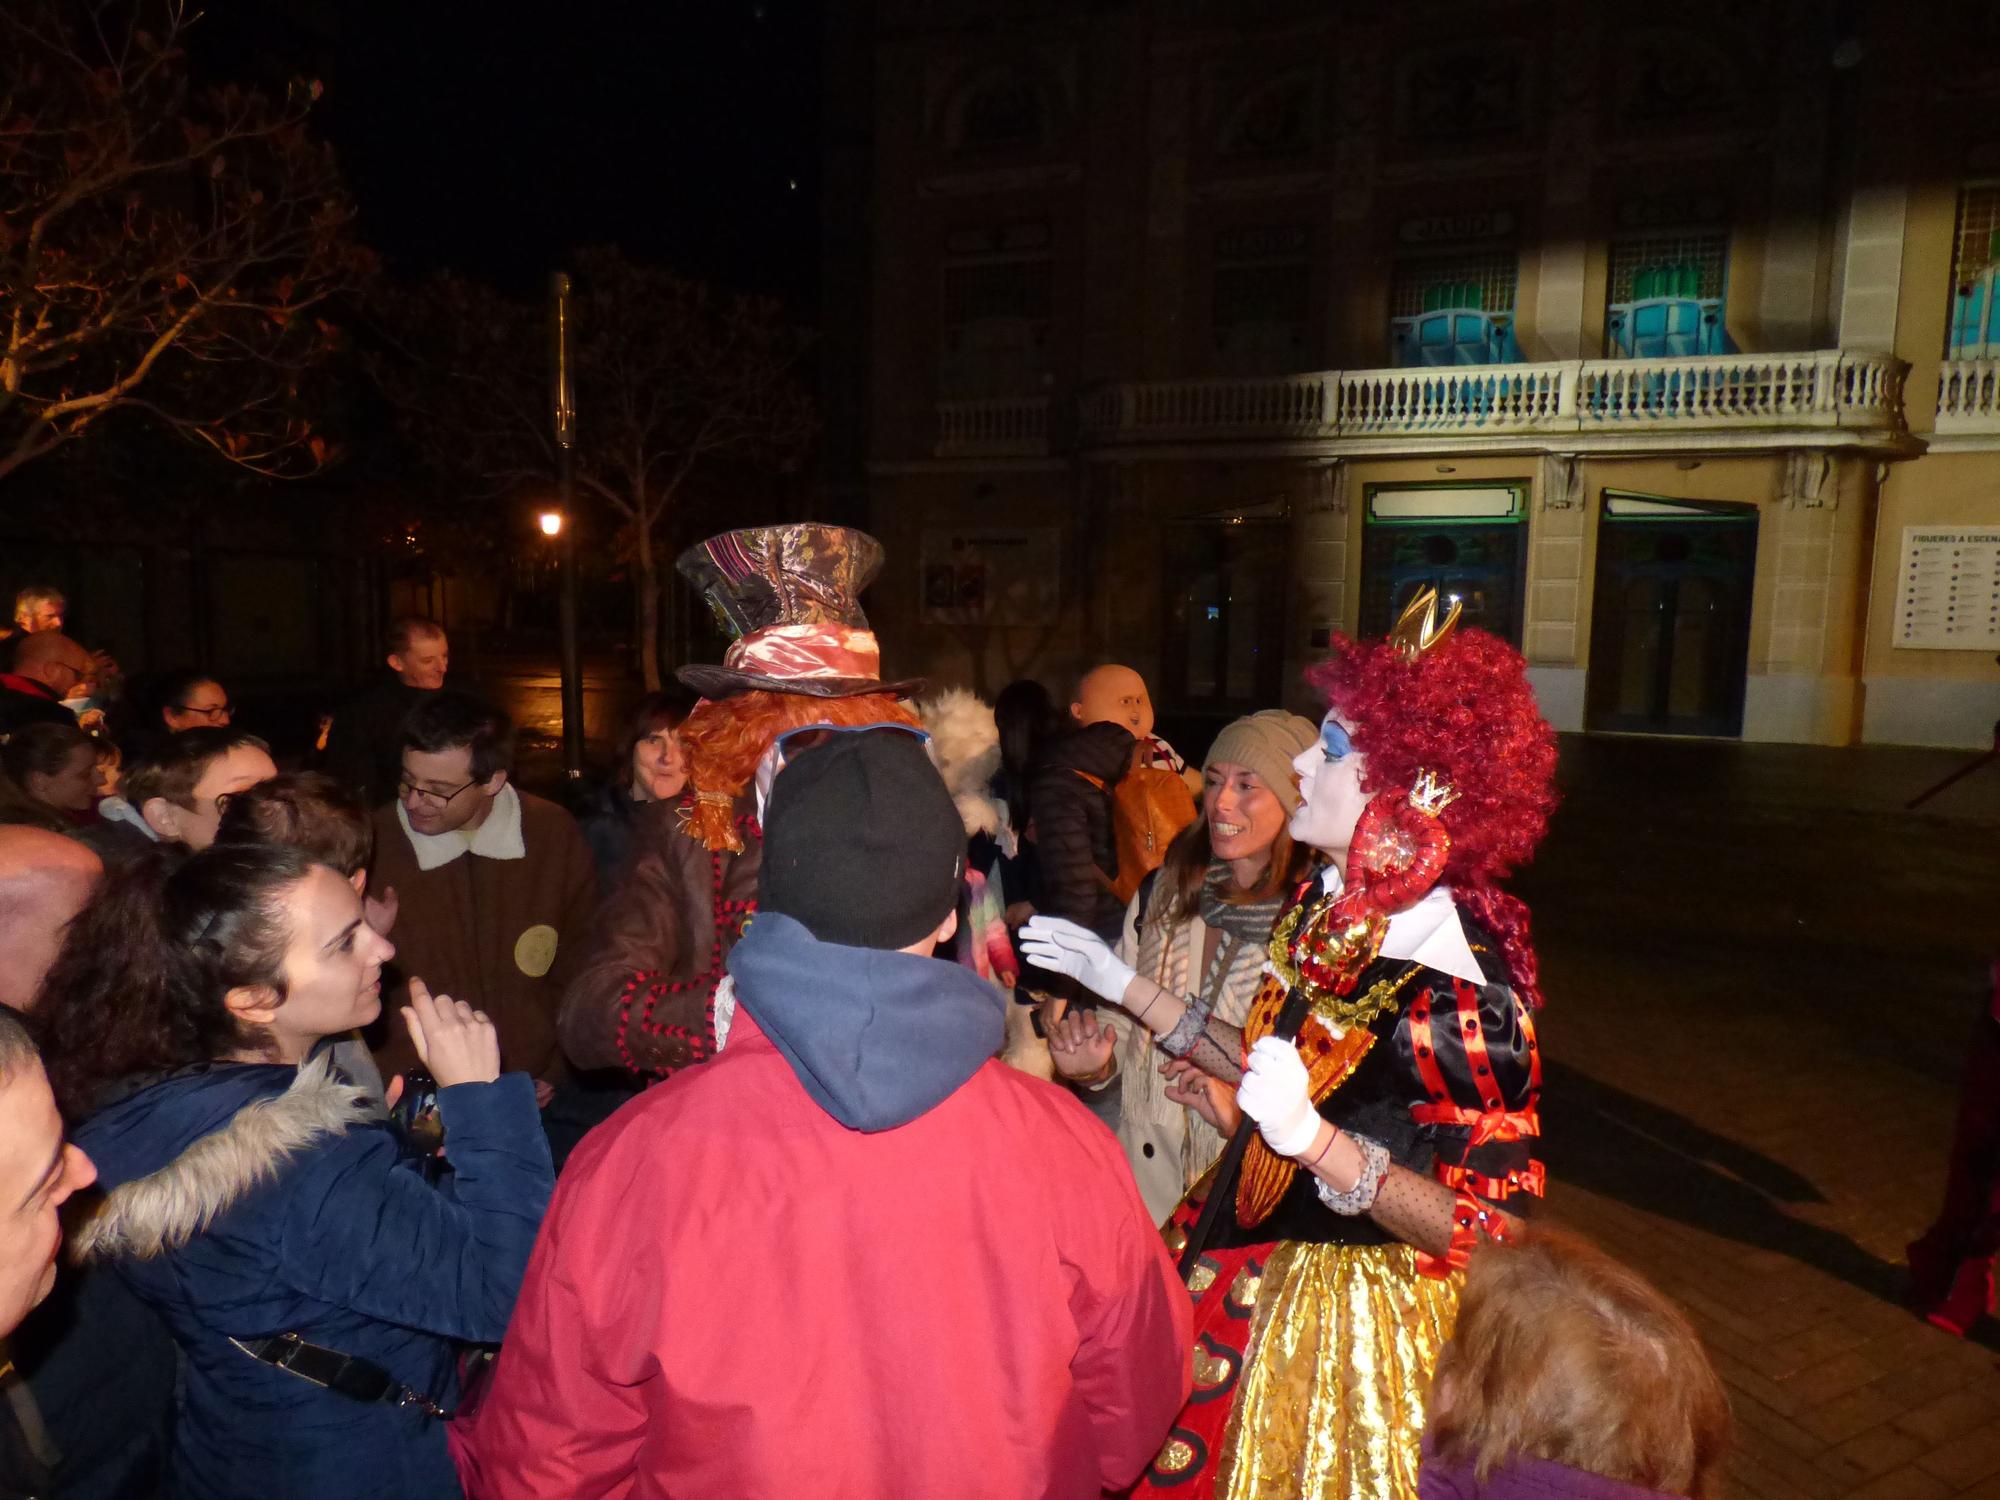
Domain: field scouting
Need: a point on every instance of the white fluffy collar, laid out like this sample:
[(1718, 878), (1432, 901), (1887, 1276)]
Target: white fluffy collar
[(499, 837)]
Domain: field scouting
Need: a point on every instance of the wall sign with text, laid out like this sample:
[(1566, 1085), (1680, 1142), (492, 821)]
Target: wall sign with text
[(992, 576), (1948, 589)]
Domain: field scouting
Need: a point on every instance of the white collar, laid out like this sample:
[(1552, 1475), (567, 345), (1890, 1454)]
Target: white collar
[(499, 837), (1428, 933)]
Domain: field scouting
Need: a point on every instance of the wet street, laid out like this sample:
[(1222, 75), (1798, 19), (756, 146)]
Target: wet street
[(1760, 976)]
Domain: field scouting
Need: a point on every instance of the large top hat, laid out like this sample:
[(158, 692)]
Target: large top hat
[(791, 595)]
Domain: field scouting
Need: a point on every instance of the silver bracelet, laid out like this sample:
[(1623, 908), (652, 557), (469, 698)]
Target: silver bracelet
[(1361, 1197), (1187, 1031)]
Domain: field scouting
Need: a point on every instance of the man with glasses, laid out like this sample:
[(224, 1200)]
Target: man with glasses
[(494, 887), (48, 667)]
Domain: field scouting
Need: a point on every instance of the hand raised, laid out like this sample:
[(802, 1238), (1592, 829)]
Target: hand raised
[(457, 1043), (1063, 947)]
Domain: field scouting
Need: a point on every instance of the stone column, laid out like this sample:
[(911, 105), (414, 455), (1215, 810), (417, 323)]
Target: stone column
[(1319, 579), (1552, 635), (1803, 688)]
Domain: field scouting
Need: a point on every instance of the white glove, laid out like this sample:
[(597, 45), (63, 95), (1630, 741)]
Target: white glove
[(1064, 948), (1278, 1096)]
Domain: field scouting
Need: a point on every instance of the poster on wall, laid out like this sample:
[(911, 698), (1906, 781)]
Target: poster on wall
[(992, 576), (1948, 589)]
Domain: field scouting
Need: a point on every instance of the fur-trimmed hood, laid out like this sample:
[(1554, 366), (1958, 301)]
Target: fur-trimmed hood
[(966, 742), (173, 1156)]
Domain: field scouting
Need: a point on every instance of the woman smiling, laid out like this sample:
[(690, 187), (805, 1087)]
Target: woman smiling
[(1198, 928)]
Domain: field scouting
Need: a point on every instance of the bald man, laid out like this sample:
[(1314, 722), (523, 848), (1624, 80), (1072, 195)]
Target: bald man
[(1115, 694), (48, 667), (44, 881)]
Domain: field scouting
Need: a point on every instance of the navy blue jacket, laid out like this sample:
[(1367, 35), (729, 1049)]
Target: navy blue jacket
[(247, 1200)]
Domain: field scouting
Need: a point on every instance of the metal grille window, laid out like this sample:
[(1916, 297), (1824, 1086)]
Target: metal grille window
[(1682, 265), (998, 317), (1974, 332), (1666, 295), (1262, 317), (1454, 309)]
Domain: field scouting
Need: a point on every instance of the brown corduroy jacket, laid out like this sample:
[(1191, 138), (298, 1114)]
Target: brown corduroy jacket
[(501, 934)]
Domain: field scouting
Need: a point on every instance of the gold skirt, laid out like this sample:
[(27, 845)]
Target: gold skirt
[(1331, 1401)]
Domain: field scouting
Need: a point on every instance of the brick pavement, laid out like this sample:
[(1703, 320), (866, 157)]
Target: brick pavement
[(1760, 973)]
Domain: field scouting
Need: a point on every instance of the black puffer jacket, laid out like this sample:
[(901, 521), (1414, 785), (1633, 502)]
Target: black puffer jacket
[(1073, 828)]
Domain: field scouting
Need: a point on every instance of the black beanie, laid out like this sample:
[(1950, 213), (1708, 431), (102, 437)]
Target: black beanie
[(862, 845)]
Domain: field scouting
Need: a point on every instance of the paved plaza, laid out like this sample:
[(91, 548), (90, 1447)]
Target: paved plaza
[(1760, 975)]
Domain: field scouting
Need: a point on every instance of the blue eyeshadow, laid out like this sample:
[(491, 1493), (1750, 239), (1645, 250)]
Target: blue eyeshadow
[(1335, 741)]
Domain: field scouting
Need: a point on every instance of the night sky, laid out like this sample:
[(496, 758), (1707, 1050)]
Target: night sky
[(489, 137)]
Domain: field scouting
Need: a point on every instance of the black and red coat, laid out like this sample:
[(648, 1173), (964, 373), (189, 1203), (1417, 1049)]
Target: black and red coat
[(1451, 1086)]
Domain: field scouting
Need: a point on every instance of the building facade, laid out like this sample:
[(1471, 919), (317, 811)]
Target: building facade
[(1191, 332)]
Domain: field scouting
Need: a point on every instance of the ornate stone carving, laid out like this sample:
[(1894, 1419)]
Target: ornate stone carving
[(1808, 481), (1561, 484)]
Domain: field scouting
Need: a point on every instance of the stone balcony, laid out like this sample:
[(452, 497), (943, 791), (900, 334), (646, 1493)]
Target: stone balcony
[(999, 427), (1827, 398), (1968, 404)]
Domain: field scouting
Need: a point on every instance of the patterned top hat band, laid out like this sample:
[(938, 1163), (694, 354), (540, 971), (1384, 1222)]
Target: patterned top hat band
[(806, 652)]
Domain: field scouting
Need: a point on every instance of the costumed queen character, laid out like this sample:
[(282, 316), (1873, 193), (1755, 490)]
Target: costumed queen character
[(1387, 1135), (644, 999)]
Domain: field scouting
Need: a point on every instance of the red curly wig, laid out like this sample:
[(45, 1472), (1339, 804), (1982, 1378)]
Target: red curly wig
[(1463, 710), (726, 737)]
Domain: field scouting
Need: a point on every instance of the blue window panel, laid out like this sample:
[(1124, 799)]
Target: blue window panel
[(1454, 336), (1667, 328), (1973, 331)]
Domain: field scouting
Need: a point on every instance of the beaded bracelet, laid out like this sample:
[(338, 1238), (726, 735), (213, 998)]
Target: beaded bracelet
[(1361, 1197)]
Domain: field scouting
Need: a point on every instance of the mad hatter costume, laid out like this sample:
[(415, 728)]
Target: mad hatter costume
[(1404, 1113), (644, 999)]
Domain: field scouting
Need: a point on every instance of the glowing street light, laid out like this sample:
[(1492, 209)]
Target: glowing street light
[(551, 522)]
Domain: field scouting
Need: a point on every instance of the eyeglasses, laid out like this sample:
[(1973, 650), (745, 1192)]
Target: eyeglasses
[(431, 798), (219, 714)]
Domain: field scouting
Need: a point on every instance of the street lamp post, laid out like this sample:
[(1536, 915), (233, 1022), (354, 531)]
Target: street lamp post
[(562, 392)]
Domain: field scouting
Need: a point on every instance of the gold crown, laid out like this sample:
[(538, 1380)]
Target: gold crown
[(1418, 630), (1432, 794)]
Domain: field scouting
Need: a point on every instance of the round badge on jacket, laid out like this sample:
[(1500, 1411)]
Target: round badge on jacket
[(535, 950)]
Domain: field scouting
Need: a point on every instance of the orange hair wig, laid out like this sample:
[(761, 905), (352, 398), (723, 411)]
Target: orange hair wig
[(726, 737)]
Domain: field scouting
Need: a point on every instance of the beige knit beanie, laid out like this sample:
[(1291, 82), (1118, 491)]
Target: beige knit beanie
[(1266, 742)]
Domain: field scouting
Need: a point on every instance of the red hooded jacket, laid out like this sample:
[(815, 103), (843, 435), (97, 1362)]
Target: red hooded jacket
[(736, 1295)]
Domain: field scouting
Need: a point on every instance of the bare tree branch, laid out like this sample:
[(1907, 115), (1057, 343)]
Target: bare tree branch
[(163, 248)]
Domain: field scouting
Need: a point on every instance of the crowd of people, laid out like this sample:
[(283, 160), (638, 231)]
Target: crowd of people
[(861, 1090)]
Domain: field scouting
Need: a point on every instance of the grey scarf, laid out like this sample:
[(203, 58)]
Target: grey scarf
[(1246, 922)]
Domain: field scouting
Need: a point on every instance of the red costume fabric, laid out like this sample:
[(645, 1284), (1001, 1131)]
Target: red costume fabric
[(734, 1294)]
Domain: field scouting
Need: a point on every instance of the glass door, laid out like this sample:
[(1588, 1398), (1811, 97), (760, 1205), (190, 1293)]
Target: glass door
[(1670, 623)]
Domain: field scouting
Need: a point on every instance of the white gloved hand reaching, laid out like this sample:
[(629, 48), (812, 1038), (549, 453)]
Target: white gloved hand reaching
[(1277, 1094), (1062, 947)]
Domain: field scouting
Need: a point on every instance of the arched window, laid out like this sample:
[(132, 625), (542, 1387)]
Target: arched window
[(1001, 112), (1274, 119)]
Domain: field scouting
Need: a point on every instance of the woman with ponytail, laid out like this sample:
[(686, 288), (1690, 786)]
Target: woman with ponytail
[(1389, 1065), (318, 1276)]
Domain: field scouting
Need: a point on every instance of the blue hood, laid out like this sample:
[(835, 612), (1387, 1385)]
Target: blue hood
[(138, 1133), (877, 1037)]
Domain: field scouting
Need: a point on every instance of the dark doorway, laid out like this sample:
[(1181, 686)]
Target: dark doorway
[(1225, 626), (1467, 542), (1670, 625)]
